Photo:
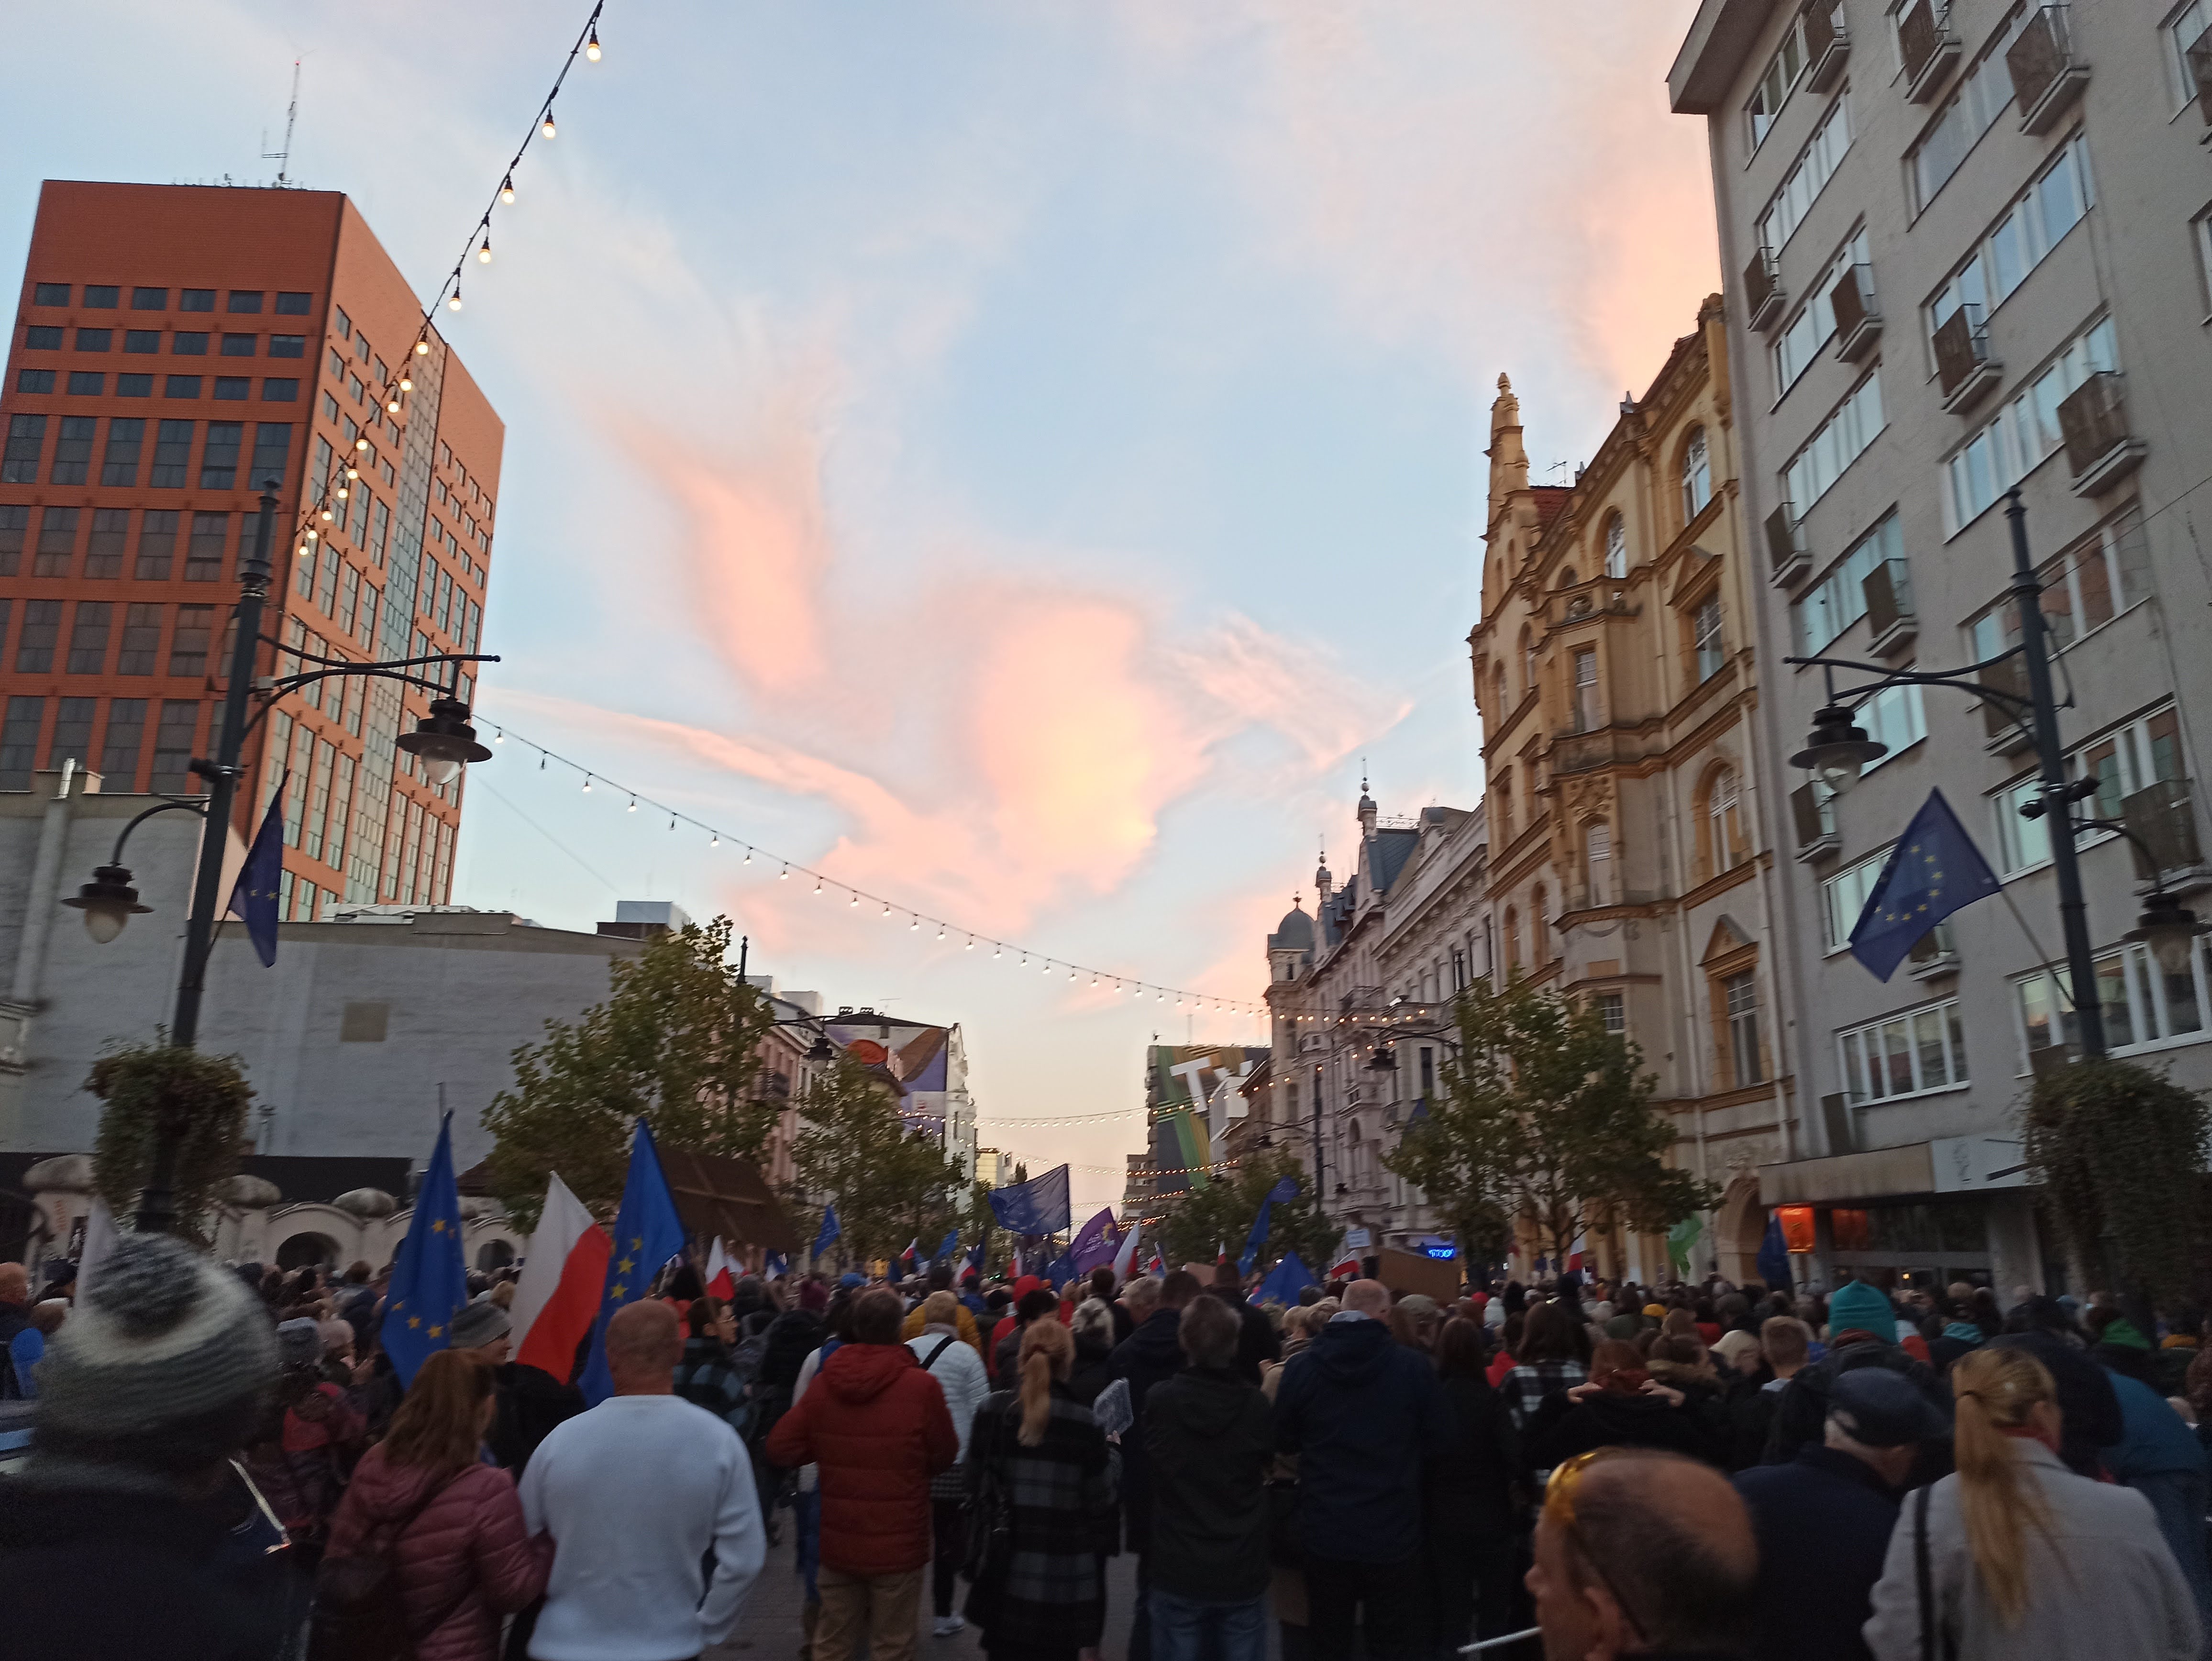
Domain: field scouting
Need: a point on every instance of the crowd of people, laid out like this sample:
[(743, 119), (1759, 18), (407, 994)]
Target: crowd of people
[(226, 1464)]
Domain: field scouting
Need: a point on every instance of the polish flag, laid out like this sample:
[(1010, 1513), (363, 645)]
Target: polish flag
[(558, 1296), (721, 1283), (1125, 1259), (1348, 1269), (1577, 1251)]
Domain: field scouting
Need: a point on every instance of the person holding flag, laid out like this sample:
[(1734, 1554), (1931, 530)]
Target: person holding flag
[(647, 1234), (831, 1231), (430, 1282)]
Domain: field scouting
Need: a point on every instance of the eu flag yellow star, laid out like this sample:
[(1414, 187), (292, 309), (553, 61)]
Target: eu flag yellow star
[(435, 1331), (413, 1320), (438, 1225), (625, 1265), (615, 1293), (637, 1243)]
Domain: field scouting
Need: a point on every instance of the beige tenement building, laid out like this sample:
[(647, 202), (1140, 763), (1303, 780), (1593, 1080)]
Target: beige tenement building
[(1971, 246), (1615, 673)]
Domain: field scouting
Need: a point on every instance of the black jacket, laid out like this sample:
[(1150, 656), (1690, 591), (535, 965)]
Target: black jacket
[(1802, 1415), (1469, 1480), (531, 1401), (1823, 1523), (2088, 1409), (1208, 1439), (1093, 1370), (1257, 1344), (1362, 1412), (1149, 1356), (1560, 1428)]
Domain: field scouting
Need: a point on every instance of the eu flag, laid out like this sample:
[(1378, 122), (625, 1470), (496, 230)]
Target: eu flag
[(831, 1230), (647, 1234), (253, 896), (1035, 1208), (948, 1249), (430, 1282), (1933, 870), (1285, 1189)]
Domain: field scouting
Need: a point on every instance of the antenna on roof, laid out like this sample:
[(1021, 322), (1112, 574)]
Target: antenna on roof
[(284, 158)]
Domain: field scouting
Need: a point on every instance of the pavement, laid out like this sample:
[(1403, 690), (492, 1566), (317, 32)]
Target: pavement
[(770, 1628)]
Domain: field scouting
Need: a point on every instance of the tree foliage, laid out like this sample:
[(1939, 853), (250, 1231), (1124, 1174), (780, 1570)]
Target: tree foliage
[(2119, 1152), (1544, 1119), (201, 1098), (1201, 1221), (890, 1185), (677, 1040)]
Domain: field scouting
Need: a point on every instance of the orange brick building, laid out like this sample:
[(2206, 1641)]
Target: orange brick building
[(173, 346)]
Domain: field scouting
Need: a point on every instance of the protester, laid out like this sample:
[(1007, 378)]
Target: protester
[(1042, 1594), (1149, 1355), (1621, 1405), (1552, 1355), (15, 1316), (1209, 1438), (128, 1535), (634, 1492), (449, 1525), (1362, 1413), (940, 1280), (29, 1345), (1009, 1322), (2088, 1408), (707, 1377), (1039, 1302), (875, 1426), (1861, 1328), (2021, 1557), (483, 1333), (1468, 1491), (1092, 1327), (1641, 1553), (958, 1370), (1784, 1346), (1824, 1520), (1102, 1291), (2159, 1457), (1256, 1341)]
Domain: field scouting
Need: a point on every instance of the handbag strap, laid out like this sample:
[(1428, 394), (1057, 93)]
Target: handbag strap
[(1931, 1619), (943, 1344)]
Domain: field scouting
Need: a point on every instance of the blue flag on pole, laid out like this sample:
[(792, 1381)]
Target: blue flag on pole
[(1037, 1206), (831, 1230), (1289, 1278), (253, 896), (1933, 870), (775, 1265), (975, 1257), (1285, 1189), (1095, 1243), (431, 1280), (1773, 1261), (647, 1234), (948, 1249)]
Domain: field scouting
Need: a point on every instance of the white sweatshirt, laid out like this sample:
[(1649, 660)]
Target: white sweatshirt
[(633, 1493)]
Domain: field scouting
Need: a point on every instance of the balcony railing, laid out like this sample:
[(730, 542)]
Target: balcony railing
[(2093, 419), (1891, 623), (1762, 289), (1785, 546), (2047, 76), (2165, 817), (1580, 752), (1858, 317), (1929, 47), (1934, 954), (1827, 44), (1813, 812), (1964, 367)]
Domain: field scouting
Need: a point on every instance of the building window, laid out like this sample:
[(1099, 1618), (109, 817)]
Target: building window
[(1727, 846), (204, 553), (1775, 85), (272, 450), (181, 386), (1908, 1053), (50, 294), (1589, 716), (1983, 93), (288, 345), (15, 528), (57, 543), (1501, 797), (127, 737), (1841, 441), (1512, 937), (1705, 637), (233, 388), (86, 383), (87, 647), (42, 628), (188, 647), (157, 544), (1739, 995), (141, 644), (34, 381), (243, 300), (195, 300), (172, 744), (95, 340), (26, 437), (1540, 928), (126, 436), (103, 552), (1697, 476), (2024, 432), (1838, 600), (142, 342), (1528, 658), (73, 450), (2144, 1007), (101, 296), (39, 338), (1597, 863), (134, 385), (1613, 1010), (1800, 340), (1616, 546), (1807, 178), (149, 300), (173, 452), (1844, 895), (19, 741), (291, 303), (219, 459), (188, 342), (239, 345), (2030, 227)]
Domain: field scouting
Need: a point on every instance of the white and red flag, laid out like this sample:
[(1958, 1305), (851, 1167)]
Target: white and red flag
[(558, 1297)]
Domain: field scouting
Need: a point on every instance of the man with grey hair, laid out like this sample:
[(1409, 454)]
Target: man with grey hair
[(1209, 1439)]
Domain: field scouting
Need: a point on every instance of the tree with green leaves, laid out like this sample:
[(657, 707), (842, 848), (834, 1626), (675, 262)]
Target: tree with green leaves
[(1199, 1221), (1543, 1120), (200, 1099), (891, 1185), (677, 1040)]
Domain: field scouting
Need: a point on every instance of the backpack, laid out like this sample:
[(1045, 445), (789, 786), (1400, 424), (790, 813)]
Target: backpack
[(357, 1614)]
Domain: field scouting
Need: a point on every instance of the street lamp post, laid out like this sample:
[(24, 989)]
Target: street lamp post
[(443, 740), (1838, 749)]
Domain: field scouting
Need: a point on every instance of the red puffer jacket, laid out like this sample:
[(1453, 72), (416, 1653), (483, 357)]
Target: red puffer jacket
[(470, 1544), (877, 1425)]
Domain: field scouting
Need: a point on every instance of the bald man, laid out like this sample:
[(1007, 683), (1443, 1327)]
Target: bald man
[(634, 1492), (1643, 1553), (15, 1316)]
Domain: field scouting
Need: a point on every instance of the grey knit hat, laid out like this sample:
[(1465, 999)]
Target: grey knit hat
[(164, 1361), (299, 1342), (479, 1323)]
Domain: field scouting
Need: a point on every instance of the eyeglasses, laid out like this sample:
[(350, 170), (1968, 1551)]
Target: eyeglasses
[(1559, 1509)]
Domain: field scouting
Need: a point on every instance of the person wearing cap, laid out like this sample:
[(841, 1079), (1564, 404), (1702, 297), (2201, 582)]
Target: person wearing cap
[(1862, 1333), (1824, 1520), (129, 1532)]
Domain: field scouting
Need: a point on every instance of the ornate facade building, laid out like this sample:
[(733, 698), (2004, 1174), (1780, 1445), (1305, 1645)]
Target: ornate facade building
[(1627, 862)]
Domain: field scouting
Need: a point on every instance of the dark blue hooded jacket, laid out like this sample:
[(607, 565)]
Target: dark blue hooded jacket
[(1362, 1412)]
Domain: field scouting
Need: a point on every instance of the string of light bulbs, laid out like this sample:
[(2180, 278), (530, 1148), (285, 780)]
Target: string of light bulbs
[(830, 888), (399, 385), (1077, 1118)]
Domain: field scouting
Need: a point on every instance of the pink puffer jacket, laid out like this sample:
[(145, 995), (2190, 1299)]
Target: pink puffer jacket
[(470, 1544)]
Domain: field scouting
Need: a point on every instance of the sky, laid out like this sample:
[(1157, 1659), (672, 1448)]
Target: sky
[(1023, 460)]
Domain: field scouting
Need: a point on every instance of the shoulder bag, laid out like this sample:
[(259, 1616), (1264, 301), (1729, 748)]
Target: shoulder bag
[(951, 1485), (1935, 1640), (990, 1510)]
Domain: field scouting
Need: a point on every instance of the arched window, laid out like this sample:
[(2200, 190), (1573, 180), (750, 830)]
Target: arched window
[(1567, 577), (1539, 936), (1597, 862), (1616, 545), (1697, 476), (1512, 938), (1501, 812), (1528, 658), (1726, 845), (1504, 704)]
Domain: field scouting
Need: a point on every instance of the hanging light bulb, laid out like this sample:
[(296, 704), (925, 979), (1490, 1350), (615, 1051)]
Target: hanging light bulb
[(588, 784), (499, 737), (406, 383), (817, 885), (326, 515), (454, 301), (303, 550), (547, 126), (361, 444), (340, 493), (940, 931), (633, 804), (1070, 975), (421, 349), (391, 405), (314, 536), (352, 471), (855, 900), (887, 910), (591, 46), (995, 951), (483, 250), (672, 821), (506, 190), (915, 924)]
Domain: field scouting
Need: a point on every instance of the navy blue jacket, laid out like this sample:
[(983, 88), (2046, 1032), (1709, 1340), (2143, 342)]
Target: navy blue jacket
[(1363, 1412), (1823, 1521), (1149, 1356)]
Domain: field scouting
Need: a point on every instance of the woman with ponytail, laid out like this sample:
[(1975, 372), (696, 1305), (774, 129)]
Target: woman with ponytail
[(1043, 1477), (2014, 1555)]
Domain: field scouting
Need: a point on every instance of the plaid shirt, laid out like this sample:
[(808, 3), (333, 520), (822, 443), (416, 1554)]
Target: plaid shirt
[(707, 1378), (1525, 1387), (1052, 1593)]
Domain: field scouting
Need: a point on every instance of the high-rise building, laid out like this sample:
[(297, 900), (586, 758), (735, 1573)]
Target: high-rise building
[(1972, 251), (175, 346)]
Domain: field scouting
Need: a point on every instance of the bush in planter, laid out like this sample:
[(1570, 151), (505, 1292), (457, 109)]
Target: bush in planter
[(205, 1099)]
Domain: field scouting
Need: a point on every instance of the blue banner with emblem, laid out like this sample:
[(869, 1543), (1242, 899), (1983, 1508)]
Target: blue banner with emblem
[(430, 1282), (647, 1234)]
